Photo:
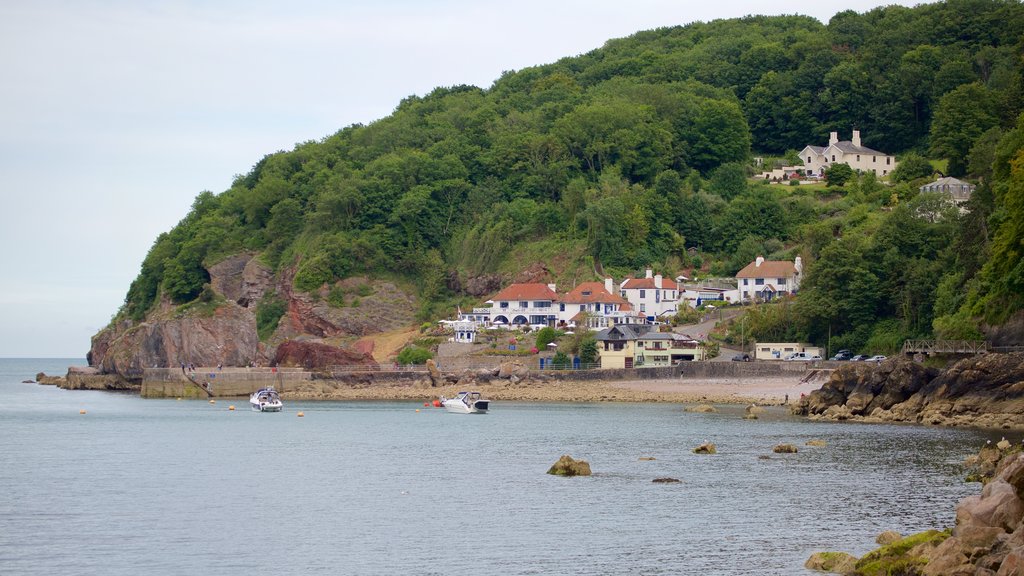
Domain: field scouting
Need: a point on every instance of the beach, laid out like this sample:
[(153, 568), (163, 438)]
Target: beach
[(761, 390)]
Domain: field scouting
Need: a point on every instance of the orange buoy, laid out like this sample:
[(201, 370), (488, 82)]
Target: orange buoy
[(300, 414), (426, 403), (231, 407), (81, 411), (437, 403), (417, 409)]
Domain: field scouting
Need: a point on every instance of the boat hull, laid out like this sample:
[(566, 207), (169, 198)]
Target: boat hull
[(272, 407), (459, 407)]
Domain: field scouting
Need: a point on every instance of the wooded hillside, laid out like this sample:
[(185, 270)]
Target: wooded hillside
[(631, 153)]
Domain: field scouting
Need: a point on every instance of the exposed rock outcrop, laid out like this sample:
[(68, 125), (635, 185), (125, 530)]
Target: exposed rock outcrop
[(568, 466), (317, 356), (89, 378), (706, 448), (984, 391)]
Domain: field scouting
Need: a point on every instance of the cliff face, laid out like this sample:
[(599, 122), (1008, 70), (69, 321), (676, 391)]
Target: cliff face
[(985, 391), (225, 333)]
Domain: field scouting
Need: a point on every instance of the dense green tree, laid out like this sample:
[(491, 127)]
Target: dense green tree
[(911, 167), (838, 174), (961, 117)]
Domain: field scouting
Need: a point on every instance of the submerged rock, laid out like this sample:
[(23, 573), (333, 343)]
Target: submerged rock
[(702, 408), (567, 466), (705, 448), (666, 481), (646, 458), (784, 449), (816, 443)]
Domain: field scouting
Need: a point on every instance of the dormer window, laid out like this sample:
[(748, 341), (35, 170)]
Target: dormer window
[(586, 292)]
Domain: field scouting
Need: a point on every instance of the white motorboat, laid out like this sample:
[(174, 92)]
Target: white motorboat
[(266, 400), (466, 403)]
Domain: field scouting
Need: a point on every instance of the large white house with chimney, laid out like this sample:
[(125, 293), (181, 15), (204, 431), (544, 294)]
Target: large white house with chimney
[(763, 280), (817, 159), (651, 296)]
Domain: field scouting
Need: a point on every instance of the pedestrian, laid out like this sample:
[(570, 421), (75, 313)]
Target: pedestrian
[(787, 399), (182, 367), (220, 367)]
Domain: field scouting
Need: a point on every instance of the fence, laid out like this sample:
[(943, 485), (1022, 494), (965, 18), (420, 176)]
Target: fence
[(945, 347)]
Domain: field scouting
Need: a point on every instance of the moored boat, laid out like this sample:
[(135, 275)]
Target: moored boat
[(466, 403), (266, 400)]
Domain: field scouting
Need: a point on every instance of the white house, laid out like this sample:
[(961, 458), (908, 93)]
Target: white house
[(525, 304), (780, 350), (767, 279), (651, 296), (817, 159), (597, 303)]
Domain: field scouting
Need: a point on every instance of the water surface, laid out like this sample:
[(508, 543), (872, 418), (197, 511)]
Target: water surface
[(186, 487)]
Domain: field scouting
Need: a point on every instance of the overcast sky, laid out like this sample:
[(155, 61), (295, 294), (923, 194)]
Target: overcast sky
[(114, 115)]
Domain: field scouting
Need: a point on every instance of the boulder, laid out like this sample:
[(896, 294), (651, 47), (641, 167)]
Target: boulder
[(836, 562), (705, 448), (784, 449), (42, 378), (646, 458), (701, 408), (567, 466), (888, 537), (666, 481), (816, 443)]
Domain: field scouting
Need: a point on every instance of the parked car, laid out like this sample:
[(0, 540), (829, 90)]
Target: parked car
[(802, 356), (843, 355), (859, 358), (814, 357), (876, 358), (741, 358)]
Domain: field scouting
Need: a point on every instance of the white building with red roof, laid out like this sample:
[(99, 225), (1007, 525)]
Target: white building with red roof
[(532, 304), (762, 280), (652, 296), (596, 305)]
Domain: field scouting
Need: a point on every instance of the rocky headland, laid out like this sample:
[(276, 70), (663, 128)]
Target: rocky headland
[(984, 391), (988, 538)]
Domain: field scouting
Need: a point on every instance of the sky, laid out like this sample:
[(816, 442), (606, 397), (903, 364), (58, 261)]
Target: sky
[(115, 115)]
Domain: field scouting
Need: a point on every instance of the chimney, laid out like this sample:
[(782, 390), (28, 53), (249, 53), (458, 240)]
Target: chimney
[(856, 137), (552, 286), (609, 286), (798, 263), (649, 273), (758, 261), (657, 281), (833, 138)]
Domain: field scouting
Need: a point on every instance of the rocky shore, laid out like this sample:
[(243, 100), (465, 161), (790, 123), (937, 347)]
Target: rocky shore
[(988, 538), (984, 391)]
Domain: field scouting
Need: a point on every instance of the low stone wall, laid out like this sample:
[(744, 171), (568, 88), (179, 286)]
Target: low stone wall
[(230, 382)]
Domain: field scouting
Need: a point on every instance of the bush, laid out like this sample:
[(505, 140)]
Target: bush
[(414, 355), (268, 314), (545, 336), (838, 174), (560, 361), (588, 351)]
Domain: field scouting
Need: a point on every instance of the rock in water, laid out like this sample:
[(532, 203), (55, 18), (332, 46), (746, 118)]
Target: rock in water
[(666, 480), (784, 449), (567, 466), (817, 443), (705, 448), (1003, 444), (836, 562), (703, 408)]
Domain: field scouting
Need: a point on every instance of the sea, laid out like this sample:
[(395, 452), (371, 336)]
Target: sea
[(112, 484)]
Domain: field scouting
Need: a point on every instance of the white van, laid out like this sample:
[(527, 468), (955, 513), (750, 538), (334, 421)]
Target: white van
[(802, 356)]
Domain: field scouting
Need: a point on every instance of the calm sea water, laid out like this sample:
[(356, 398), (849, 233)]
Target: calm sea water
[(186, 487)]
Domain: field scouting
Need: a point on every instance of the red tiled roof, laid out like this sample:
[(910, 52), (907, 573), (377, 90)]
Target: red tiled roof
[(589, 292), (648, 283), (532, 291), (768, 269)]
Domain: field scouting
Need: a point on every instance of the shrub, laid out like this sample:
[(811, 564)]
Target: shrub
[(545, 336), (560, 361), (414, 355), (268, 314)]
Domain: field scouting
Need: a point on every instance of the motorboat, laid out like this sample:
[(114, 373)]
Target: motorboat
[(466, 403), (266, 400)]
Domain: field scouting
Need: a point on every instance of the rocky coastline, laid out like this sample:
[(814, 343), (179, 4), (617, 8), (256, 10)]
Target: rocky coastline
[(987, 540), (985, 391)]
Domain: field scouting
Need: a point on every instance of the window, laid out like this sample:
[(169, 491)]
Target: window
[(884, 172), (524, 304), (888, 160), (561, 307), (858, 157), (746, 282), (781, 281), (808, 159), (643, 293), (759, 282), (503, 305), (874, 158), (833, 157), (643, 308), (583, 307)]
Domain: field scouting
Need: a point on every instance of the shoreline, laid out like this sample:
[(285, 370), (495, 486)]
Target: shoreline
[(765, 391)]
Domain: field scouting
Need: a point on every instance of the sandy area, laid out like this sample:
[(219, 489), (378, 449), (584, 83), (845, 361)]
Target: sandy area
[(763, 391)]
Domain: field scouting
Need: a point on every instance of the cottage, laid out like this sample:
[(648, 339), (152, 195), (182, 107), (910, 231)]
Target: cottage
[(763, 280), (958, 190), (817, 159), (651, 296), (633, 346), (594, 304)]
